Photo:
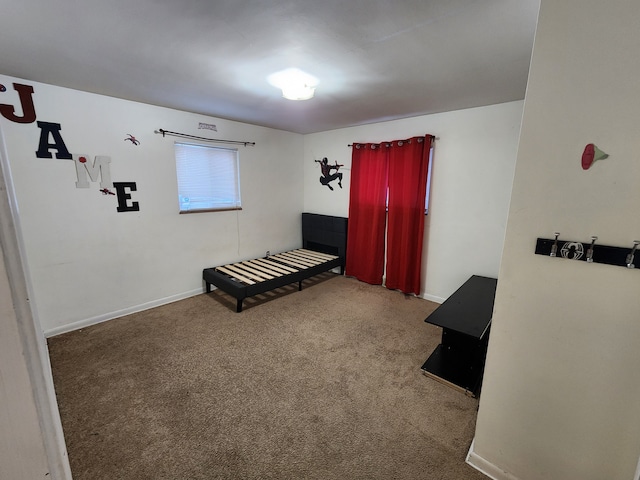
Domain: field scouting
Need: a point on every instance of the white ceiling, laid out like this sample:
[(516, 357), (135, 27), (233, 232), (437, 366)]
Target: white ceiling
[(376, 59)]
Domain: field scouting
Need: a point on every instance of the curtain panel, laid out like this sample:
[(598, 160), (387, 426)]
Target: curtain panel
[(398, 169), (408, 171), (367, 205)]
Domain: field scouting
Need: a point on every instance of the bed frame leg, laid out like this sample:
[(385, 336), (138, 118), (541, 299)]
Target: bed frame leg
[(239, 306), (208, 287), (300, 286)]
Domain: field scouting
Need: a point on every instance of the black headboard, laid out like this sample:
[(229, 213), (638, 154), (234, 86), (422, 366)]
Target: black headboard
[(325, 233)]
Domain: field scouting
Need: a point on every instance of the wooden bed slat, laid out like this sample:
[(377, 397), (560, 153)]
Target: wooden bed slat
[(301, 256), (326, 256), (232, 269), (265, 272), (284, 259), (243, 270), (235, 275), (316, 259), (276, 272), (297, 258), (276, 266)]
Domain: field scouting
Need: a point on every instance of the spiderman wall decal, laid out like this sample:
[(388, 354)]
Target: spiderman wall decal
[(328, 177), (132, 139)]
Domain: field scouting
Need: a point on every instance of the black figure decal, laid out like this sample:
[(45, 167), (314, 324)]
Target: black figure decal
[(328, 177)]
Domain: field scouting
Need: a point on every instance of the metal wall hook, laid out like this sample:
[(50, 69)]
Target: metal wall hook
[(554, 247), (632, 254), (590, 251)]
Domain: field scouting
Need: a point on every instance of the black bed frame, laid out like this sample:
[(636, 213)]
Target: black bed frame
[(320, 233)]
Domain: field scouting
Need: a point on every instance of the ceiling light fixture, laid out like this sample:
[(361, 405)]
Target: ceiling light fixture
[(294, 83)]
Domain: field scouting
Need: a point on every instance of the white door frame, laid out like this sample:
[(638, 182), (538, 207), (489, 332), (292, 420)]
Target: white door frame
[(31, 336)]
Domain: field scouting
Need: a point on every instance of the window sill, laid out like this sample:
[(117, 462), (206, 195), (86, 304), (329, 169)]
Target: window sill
[(202, 210)]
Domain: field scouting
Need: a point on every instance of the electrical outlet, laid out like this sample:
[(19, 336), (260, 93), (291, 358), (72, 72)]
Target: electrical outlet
[(268, 253)]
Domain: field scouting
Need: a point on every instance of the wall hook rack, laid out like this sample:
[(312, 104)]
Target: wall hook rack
[(589, 251)]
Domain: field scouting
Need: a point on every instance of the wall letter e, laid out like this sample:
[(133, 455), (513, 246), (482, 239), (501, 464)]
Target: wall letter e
[(124, 196)]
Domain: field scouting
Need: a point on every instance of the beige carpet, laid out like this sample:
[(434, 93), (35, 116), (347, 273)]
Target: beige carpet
[(319, 384)]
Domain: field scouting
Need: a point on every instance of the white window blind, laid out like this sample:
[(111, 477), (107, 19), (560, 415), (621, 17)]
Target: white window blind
[(208, 178)]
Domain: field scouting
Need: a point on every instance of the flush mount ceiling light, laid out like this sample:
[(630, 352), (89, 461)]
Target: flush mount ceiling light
[(294, 83)]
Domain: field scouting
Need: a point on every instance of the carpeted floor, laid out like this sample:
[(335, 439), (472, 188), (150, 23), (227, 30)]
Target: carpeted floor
[(319, 384)]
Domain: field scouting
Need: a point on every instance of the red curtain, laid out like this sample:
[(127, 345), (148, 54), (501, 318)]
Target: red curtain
[(408, 170), (367, 199), (399, 168)]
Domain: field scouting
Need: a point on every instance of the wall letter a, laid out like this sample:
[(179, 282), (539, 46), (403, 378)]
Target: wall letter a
[(52, 129), (26, 100)]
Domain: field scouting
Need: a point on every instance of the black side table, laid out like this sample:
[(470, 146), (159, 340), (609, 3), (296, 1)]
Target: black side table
[(465, 318)]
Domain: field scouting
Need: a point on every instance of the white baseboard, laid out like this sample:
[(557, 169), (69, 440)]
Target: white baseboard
[(119, 313), (486, 467), (433, 298)]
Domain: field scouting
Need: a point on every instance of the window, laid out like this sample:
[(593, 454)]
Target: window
[(426, 198), (208, 178)]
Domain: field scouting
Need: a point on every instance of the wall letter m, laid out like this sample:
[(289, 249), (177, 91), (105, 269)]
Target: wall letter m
[(99, 168)]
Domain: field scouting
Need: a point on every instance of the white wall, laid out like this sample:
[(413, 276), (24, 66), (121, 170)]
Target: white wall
[(561, 391), (474, 161), (89, 262), (31, 438), (22, 453)]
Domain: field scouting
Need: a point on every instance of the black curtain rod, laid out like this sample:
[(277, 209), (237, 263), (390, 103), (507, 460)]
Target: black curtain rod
[(433, 139), (193, 137)]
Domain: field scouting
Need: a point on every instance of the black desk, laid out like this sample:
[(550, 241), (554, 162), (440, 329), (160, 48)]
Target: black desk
[(465, 318)]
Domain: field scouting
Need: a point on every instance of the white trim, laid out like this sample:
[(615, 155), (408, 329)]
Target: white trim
[(637, 476), (486, 467), (119, 313), (33, 343), (433, 298)]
